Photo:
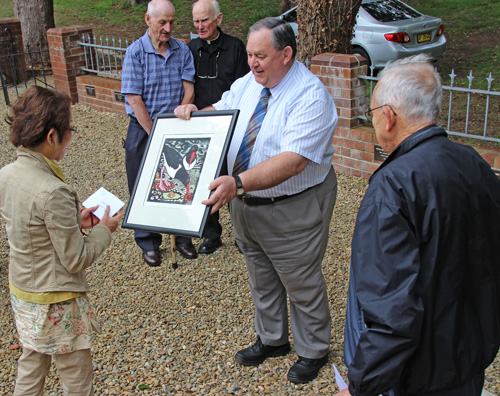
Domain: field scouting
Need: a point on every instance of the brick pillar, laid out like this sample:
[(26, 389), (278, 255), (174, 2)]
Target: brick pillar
[(354, 144), (67, 57), (11, 42)]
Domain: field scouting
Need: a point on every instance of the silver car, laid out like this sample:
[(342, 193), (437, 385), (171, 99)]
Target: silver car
[(390, 29)]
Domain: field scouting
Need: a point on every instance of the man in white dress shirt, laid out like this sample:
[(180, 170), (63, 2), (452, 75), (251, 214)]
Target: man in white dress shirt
[(285, 198)]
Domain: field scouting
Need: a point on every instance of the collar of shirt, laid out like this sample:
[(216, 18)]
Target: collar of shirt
[(172, 44)]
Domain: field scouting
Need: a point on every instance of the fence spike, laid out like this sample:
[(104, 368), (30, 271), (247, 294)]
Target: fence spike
[(452, 76), (470, 77), (490, 80)]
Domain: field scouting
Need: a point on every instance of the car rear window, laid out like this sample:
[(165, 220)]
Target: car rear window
[(390, 10)]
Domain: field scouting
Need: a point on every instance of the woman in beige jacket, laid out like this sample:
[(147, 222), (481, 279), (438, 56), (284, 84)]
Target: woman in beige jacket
[(48, 251)]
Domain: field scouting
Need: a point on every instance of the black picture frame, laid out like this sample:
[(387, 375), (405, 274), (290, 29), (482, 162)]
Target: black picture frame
[(181, 159)]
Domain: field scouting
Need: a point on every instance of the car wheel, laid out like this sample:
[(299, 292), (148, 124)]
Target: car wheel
[(362, 52)]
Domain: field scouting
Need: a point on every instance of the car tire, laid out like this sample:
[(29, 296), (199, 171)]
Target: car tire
[(362, 52)]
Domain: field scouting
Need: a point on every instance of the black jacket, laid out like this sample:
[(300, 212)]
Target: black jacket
[(426, 269), (225, 59)]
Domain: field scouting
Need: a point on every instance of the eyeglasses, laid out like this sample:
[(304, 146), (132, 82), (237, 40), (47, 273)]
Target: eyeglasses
[(216, 66), (368, 112), (74, 130)]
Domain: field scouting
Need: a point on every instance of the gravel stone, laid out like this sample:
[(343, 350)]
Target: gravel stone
[(175, 332)]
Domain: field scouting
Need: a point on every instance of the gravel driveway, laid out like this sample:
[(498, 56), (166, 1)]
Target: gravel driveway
[(175, 332)]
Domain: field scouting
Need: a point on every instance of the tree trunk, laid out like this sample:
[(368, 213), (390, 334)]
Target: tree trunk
[(133, 3), (325, 26), (286, 5), (36, 18)]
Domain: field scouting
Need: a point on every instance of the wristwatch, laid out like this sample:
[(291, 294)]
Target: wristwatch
[(239, 186)]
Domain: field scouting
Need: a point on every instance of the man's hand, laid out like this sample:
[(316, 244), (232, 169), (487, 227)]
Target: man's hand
[(184, 111), (345, 392), (225, 191)]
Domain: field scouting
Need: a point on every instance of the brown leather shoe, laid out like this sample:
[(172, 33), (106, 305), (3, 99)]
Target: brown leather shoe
[(187, 250), (152, 257)]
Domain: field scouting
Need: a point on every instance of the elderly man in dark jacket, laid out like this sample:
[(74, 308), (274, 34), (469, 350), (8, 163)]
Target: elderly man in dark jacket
[(220, 59), (424, 297)]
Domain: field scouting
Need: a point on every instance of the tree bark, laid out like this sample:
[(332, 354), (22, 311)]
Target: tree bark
[(325, 26), (286, 5), (133, 3), (36, 18)]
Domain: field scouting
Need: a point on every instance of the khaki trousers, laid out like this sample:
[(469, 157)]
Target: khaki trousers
[(75, 370)]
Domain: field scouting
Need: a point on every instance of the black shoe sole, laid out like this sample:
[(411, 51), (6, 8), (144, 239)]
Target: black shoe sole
[(277, 353)]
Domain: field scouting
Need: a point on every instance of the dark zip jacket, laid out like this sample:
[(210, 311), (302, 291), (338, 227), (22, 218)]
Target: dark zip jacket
[(426, 269)]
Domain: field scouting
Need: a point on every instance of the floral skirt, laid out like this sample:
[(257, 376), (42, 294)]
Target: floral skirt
[(54, 329)]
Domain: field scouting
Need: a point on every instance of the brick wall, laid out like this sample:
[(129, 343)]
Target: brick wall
[(357, 152), (100, 93), (67, 57)]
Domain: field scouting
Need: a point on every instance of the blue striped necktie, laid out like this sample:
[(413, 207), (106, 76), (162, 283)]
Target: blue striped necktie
[(243, 157)]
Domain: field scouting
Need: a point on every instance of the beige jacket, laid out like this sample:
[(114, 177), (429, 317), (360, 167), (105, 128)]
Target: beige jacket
[(47, 250)]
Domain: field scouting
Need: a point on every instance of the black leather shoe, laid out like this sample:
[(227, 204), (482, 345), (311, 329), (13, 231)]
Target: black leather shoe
[(258, 352), (152, 257), (305, 370), (187, 250), (209, 246)]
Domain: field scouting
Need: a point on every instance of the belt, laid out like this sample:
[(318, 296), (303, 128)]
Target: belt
[(256, 201)]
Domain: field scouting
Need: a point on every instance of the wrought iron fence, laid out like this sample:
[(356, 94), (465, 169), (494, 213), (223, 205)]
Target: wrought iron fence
[(468, 112), (19, 69), (103, 56)]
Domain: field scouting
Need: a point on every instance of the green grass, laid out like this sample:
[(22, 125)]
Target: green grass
[(472, 28)]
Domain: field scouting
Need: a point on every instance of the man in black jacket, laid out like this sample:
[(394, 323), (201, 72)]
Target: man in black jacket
[(423, 311), (219, 60)]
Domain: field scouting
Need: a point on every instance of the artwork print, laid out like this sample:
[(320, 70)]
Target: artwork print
[(178, 170)]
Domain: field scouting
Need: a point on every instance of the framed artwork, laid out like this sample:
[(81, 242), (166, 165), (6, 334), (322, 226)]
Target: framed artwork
[(181, 159)]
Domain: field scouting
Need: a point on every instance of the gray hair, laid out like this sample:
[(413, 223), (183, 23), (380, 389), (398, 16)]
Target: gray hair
[(214, 5), (282, 34), (153, 6), (413, 86)]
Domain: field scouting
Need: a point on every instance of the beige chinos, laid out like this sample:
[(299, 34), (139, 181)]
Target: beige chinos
[(75, 370)]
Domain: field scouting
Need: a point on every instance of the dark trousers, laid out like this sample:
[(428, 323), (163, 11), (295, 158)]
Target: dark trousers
[(213, 229), (135, 146)]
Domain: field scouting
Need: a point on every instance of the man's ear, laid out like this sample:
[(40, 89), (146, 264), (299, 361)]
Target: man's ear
[(389, 117), (287, 54), (219, 18)]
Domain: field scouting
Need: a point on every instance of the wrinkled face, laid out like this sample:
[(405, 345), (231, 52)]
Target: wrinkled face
[(268, 65), (205, 21), (160, 24)]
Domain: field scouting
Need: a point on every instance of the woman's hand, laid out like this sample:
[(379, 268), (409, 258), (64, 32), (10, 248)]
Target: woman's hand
[(111, 222), (88, 218)]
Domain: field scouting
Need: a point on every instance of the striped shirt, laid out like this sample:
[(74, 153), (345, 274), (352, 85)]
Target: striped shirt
[(301, 118), (156, 78)]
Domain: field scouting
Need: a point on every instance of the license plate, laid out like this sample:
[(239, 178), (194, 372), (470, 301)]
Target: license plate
[(422, 38)]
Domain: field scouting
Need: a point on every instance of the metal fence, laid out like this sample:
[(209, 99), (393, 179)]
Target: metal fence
[(103, 56), (468, 112), (19, 68)]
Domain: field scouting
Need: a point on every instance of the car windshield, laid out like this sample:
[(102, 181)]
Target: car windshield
[(390, 10)]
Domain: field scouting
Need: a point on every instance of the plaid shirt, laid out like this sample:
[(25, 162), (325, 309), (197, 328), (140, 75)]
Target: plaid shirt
[(157, 79)]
